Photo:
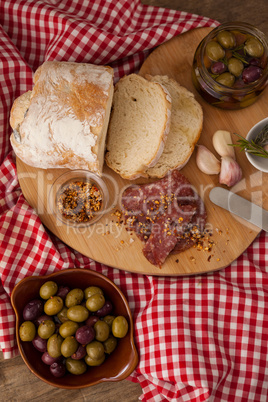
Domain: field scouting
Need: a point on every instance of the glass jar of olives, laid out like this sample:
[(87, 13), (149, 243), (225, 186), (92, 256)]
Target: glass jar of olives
[(230, 68)]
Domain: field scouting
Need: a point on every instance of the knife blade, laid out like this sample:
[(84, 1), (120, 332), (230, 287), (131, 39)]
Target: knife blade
[(239, 206)]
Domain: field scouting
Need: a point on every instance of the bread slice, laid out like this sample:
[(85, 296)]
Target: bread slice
[(185, 128), (139, 125), (63, 121)]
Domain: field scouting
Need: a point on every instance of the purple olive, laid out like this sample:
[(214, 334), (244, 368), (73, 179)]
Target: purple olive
[(47, 359), (41, 319), (91, 320), (85, 334), (40, 343), (218, 68), (251, 74), (33, 310), (105, 310), (63, 291), (255, 62), (57, 369), (80, 353)]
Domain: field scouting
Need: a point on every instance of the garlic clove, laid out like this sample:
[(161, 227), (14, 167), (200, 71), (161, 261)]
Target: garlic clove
[(206, 161), (231, 172), (221, 140)]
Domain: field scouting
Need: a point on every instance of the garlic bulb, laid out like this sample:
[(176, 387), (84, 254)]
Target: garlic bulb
[(220, 141), (231, 172), (206, 161)]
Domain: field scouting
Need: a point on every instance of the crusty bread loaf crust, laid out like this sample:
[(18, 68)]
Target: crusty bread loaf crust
[(18, 110), (67, 117), (185, 128), (139, 125)]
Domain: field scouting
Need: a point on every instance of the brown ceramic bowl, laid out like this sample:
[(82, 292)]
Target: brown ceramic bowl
[(116, 367)]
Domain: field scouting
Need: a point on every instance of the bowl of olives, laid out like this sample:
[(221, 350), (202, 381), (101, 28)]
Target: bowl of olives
[(230, 66), (74, 328)]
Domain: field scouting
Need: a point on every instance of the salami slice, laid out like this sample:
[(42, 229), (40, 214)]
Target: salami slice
[(165, 215), (153, 198), (165, 232)]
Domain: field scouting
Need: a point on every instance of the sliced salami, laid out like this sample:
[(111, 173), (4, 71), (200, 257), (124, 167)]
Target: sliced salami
[(165, 215)]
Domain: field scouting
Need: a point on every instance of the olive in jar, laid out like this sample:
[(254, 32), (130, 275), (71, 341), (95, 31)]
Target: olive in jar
[(235, 66), (226, 79), (253, 47), (214, 51), (226, 39)]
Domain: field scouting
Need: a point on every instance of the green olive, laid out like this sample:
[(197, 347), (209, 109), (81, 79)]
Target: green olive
[(92, 290), (69, 346), (53, 305), (95, 350), (120, 327), (27, 331), (109, 320), (226, 79), (235, 66), (214, 50), (74, 297), (48, 289), (54, 345), (78, 313), (102, 330), (226, 39), (62, 315), (110, 344), (46, 329), (95, 302), (90, 362), (254, 47), (76, 367), (68, 328)]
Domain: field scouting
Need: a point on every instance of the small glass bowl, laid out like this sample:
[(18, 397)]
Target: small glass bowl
[(240, 95), (73, 178), (258, 162)]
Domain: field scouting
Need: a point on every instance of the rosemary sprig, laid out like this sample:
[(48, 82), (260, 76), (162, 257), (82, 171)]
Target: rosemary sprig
[(240, 57), (256, 146)]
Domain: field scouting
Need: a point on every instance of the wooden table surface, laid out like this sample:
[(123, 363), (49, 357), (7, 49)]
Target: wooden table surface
[(16, 382)]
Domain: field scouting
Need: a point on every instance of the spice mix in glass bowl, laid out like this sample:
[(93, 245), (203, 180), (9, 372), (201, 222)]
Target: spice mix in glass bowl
[(78, 198)]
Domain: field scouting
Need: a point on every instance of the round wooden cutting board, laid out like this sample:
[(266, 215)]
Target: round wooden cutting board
[(108, 242)]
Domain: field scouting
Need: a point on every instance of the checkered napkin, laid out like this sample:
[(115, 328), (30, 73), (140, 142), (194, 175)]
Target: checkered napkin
[(199, 338)]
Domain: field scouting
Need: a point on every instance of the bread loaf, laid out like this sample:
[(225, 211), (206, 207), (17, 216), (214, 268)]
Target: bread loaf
[(63, 122), (139, 125), (185, 128)]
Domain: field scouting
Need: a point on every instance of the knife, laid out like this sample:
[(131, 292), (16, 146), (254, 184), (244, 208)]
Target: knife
[(240, 206)]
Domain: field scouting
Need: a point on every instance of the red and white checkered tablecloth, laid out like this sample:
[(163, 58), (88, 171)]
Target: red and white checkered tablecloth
[(200, 338)]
